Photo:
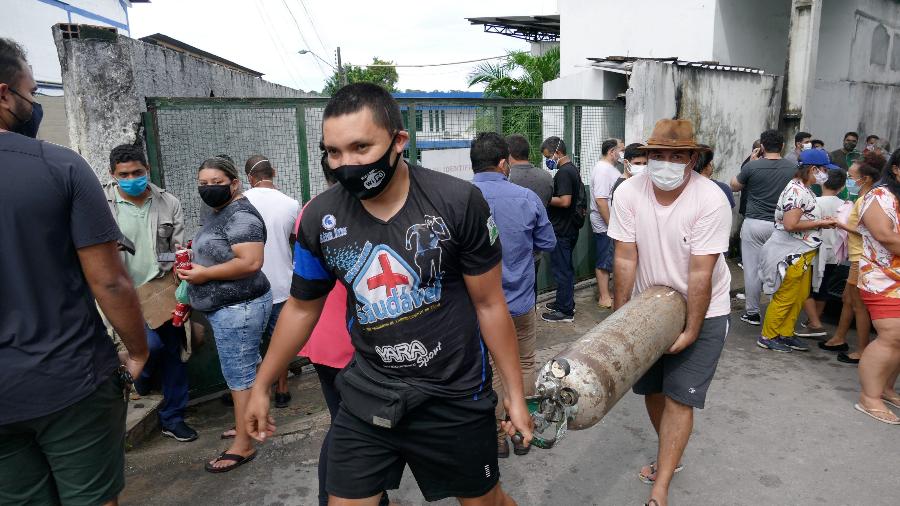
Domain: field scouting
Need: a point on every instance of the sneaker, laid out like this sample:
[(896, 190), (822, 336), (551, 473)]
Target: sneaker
[(751, 318), (180, 432), (775, 344), (551, 306), (794, 343), (556, 316), (282, 399), (811, 332)]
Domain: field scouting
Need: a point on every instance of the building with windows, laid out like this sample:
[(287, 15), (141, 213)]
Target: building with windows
[(29, 23), (442, 126)]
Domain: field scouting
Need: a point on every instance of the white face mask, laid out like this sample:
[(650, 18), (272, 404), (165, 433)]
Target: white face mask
[(821, 177), (666, 176), (635, 169), (621, 156), (807, 145)]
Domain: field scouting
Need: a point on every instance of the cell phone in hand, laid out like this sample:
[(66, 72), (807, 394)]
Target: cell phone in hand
[(126, 245)]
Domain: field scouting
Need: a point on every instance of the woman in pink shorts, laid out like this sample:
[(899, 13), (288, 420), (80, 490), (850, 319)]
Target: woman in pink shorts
[(879, 288)]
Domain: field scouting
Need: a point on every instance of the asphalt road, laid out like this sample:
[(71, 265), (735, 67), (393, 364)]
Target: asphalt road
[(779, 429)]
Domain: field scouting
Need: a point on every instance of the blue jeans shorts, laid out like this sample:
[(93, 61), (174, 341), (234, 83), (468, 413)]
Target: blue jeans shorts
[(605, 251), (238, 329)]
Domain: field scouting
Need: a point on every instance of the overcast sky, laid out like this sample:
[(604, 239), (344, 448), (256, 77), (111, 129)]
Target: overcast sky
[(261, 35)]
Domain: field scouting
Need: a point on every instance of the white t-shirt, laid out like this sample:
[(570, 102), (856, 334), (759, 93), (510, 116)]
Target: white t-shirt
[(697, 223), (830, 238), (279, 213), (603, 176)]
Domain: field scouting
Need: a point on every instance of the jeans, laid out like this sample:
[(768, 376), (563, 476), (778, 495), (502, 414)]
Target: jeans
[(270, 328), (754, 233), (165, 367), (238, 329), (564, 273)]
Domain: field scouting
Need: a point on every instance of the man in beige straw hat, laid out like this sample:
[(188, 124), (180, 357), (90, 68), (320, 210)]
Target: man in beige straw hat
[(671, 226)]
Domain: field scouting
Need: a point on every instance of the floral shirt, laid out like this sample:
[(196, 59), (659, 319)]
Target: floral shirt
[(798, 196), (879, 269)]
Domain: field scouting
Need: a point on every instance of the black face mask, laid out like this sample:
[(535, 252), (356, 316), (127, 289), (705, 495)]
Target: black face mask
[(215, 195), (849, 145), (367, 181), (29, 127)]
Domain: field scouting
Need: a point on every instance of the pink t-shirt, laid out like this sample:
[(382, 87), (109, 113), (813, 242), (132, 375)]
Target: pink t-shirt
[(697, 223), (329, 344)]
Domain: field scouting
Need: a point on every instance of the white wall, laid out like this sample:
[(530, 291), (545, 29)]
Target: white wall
[(850, 93), (645, 28), (587, 84), (753, 33), (28, 22)]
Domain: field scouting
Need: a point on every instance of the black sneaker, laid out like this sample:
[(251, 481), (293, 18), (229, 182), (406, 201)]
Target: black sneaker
[(551, 306), (180, 432), (556, 316), (282, 399), (751, 318)]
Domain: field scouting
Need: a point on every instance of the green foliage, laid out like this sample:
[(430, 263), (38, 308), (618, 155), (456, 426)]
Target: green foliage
[(519, 75), (385, 77)]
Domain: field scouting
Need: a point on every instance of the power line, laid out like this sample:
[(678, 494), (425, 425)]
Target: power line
[(302, 37), (434, 64), (312, 23), (276, 44)]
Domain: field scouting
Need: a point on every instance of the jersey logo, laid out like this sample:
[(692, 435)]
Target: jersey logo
[(387, 287), (428, 236), (412, 353), (329, 221)]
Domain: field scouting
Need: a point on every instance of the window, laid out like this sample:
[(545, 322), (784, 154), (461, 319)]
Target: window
[(895, 53), (443, 121), (431, 121), (880, 42), (418, 120)]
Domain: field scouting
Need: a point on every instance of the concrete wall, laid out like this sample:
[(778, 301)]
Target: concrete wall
[(587, 84), (106, 84), (728, 109), (850, 91), (752, 33), (645, 28), (53, 126)]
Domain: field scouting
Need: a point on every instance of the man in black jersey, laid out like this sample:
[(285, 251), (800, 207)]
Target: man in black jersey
[(419, 254)]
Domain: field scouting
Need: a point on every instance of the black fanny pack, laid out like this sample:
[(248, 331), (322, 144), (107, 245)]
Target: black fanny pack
[(373, 397)]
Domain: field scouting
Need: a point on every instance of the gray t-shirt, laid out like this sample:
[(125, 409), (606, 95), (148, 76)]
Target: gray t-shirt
[(763, 181), (535, 179), (237, 223), (54, 349)]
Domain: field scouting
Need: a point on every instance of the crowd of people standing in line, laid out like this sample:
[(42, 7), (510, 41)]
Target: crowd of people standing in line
[(413, 293)]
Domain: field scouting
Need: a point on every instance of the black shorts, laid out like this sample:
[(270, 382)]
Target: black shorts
[(823, 294), (450, 446), (685, 377)]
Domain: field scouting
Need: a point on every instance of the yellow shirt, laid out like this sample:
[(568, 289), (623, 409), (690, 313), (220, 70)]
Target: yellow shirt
[(854, 240)]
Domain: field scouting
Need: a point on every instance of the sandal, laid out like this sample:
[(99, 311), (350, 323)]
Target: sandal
[(226, 435), (874, 413), (893, 401), (238, 460), (651, 478), (652, 502)]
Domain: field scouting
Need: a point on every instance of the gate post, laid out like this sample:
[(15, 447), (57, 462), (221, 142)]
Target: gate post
[(303, 153)]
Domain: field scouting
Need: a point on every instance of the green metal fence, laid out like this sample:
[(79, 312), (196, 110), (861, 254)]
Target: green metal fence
[(182, 132)]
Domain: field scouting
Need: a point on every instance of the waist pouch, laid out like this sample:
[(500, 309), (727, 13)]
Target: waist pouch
[(373, 397)]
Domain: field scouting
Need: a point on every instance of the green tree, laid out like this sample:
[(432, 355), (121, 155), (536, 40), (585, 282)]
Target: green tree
[(385, 77), (519, 75)]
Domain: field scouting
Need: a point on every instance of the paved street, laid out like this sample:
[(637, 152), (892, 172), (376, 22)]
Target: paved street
[(779, 429)]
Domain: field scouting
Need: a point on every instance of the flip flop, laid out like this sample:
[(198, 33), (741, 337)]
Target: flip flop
[(650, 480), (893, 401), (229, 436), (238, 460), (872, 413), (652, 502)]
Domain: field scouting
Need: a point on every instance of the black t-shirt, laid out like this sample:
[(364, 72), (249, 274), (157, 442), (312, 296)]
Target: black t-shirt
[(566, 181), (763, 181), (237, 223), (54, 349), (409, 311)]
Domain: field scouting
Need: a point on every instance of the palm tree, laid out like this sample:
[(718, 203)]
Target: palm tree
[(519, 75)]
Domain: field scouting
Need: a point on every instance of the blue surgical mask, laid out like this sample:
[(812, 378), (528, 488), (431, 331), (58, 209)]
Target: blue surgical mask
[(134, 186), (852, 187)]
